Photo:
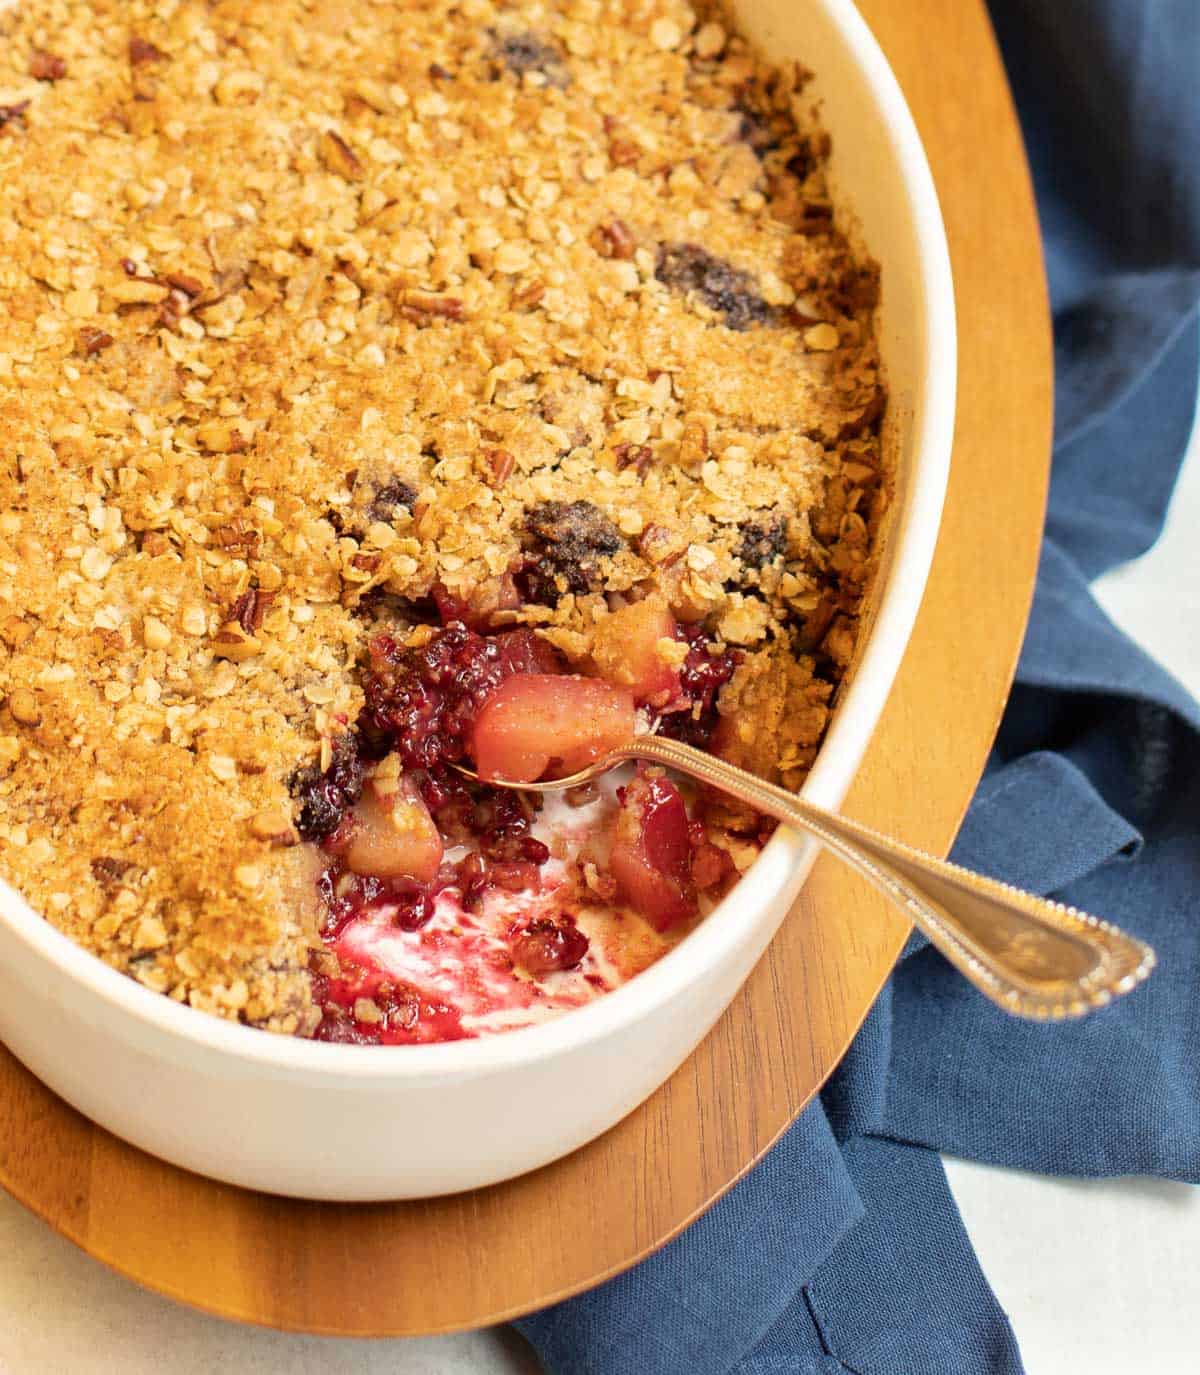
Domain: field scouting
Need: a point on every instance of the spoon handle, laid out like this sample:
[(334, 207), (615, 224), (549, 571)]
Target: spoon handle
[(1033, 958)]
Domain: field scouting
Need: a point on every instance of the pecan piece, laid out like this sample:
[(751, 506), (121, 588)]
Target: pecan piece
[(238, 536), (614, 239), (142, 51), (500, 465), (183, 281), (661, 546), (89, 341), (623, 153), (424, 305), (635, 456), (108, 870), (530, 295), (44, 66), (232, 642), (339, 157), (250, 608)]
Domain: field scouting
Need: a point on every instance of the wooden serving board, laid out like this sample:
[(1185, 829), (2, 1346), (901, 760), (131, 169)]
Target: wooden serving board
[(476, 1258)]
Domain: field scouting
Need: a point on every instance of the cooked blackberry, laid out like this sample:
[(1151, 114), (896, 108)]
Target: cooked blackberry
[(567, 541), (763, 541), (692, 270), (394, 495), (528, 52)]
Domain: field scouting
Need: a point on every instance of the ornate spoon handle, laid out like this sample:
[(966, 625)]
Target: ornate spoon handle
[(1033, 958)]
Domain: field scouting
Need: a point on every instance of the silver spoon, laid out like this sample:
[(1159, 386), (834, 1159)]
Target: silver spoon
[(1031, 957)]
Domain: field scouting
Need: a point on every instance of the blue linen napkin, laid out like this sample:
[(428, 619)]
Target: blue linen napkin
[(843, 1250)]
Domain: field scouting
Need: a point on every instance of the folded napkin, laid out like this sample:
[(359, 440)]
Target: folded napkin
[(843, 1250)]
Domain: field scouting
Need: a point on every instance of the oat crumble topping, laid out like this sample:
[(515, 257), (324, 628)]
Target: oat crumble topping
[(314, 312)]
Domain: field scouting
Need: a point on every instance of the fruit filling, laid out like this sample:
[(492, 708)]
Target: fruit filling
[(449, 907)]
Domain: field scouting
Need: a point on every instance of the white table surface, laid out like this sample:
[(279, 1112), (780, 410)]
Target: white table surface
[(1099, 1278)]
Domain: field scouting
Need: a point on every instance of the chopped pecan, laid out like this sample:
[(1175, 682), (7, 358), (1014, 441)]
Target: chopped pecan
[(422, 305), (529, 295), (661, 546), (623, 153), (238, 536), (635, 456), (339, 157), (250, 608), (108, 870), (183, 281), (142, 51), (614, 239), (154, 543), (500, 465), (90, 341), (44, 66)]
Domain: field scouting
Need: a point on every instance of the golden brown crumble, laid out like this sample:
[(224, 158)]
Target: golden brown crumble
[(307, 307)]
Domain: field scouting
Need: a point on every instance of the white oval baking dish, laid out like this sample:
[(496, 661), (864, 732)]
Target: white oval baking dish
[(349, 1123)]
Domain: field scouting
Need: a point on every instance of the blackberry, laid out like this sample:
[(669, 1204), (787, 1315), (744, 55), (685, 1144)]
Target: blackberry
[(567, 540), (325, 797), (763, 541), (701, 677), (527, 52), (392, 496), (694, 271), (423, 701)]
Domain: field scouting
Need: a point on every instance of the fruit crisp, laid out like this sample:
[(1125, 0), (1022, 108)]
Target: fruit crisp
[(377, 380)]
